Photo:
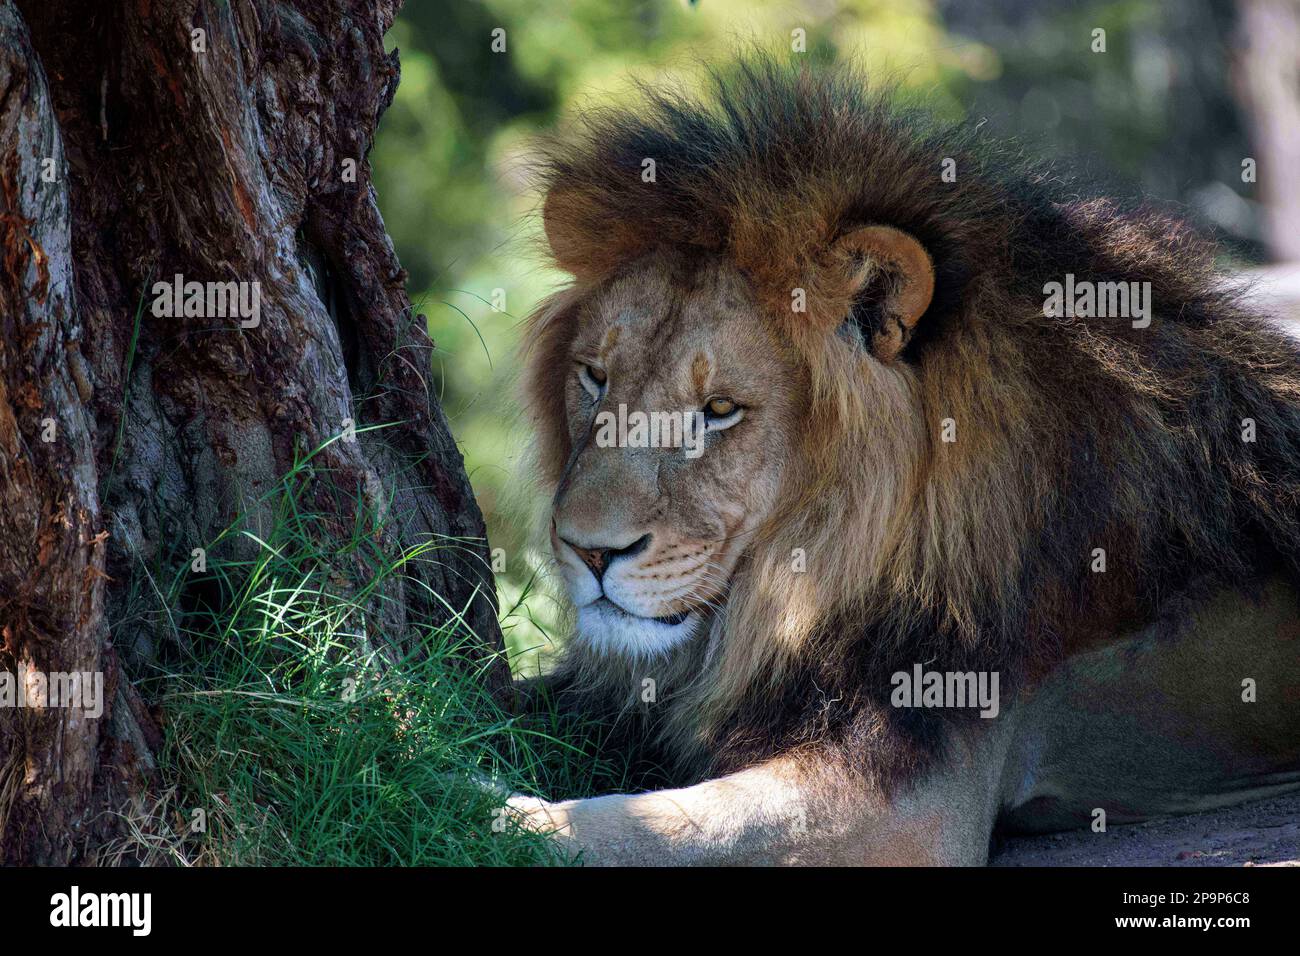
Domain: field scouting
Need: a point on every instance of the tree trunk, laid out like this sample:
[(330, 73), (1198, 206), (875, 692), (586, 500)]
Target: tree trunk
[(1267, 75), (141, 140)]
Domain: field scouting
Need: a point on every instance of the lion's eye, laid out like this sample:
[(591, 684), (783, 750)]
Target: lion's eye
[(721, 413), (593, 379)]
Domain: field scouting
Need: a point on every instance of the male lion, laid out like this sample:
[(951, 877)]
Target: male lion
[(944, 562)]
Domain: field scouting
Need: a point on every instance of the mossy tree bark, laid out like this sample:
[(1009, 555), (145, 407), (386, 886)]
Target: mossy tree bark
[(221, 142)]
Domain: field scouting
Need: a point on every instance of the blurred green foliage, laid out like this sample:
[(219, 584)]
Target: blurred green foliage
[(449, 161)]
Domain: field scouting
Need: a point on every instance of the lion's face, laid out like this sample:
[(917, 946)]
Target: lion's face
[(673, 354)]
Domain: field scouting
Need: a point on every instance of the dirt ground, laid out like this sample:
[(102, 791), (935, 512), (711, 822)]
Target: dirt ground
[(1263, 833)]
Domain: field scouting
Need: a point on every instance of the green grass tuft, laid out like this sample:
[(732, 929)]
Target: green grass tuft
[(306, 737)]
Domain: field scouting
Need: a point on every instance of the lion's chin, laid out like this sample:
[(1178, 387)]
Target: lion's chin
[(608, 629)]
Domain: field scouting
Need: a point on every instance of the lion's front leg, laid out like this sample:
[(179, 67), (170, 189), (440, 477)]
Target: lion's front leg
[(756, 816), (783, 812)]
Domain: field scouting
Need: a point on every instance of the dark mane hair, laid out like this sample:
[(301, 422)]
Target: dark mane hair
[(1073, 433)]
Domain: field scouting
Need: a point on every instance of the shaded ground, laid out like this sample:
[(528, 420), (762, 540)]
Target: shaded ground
[(1263, 833)]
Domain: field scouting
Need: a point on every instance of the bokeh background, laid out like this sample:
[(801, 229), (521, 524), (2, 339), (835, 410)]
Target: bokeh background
[(1183, 94)]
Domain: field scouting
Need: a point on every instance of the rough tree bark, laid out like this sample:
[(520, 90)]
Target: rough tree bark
[(141, 139)]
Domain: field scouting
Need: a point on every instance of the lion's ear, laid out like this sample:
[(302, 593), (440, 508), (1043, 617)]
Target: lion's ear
[(892, 284), (580, 248), (560, 215)]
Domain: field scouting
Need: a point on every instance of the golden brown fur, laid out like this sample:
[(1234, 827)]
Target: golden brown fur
[(975, 554)]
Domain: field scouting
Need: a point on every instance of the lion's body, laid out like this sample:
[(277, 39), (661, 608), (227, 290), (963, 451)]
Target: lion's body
[(1103, 513), (1140, 729)]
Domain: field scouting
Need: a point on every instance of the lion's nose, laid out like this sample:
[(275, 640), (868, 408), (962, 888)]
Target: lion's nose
[(598, 558)]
